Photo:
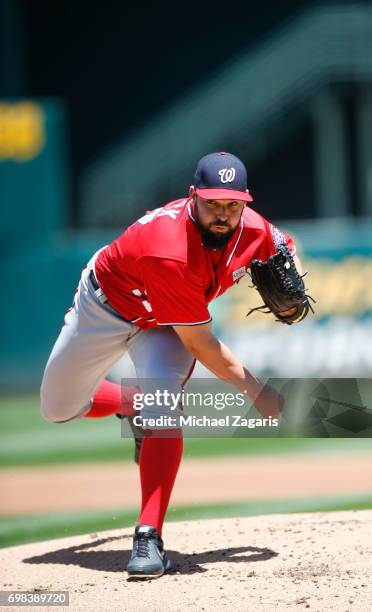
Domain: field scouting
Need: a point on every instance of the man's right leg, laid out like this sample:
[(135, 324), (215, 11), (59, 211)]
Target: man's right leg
[(91, 341)]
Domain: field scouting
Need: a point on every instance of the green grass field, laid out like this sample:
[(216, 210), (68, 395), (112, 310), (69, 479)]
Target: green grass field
[(26, 529), (27, 440)]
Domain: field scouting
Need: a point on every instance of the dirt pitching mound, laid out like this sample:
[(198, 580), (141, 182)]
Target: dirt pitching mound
[(320, 561)]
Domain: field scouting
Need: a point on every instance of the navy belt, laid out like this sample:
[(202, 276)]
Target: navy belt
[(102, 298)]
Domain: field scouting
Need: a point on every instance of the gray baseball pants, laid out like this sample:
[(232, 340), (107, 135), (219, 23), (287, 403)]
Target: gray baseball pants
[(94, 337)]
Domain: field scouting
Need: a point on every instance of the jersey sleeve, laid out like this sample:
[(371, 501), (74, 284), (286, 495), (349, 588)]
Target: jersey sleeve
[(174, 292)]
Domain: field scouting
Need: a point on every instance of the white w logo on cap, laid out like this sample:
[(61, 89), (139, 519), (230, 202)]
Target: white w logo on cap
[(227, 175)]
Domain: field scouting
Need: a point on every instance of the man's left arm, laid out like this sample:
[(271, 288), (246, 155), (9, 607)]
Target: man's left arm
[(279, 280)]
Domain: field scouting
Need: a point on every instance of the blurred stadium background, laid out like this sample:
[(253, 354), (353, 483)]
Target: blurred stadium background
[(104, 111)]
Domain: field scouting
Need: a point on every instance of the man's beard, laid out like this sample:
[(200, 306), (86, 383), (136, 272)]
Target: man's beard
[(215, 241), (210, 239)]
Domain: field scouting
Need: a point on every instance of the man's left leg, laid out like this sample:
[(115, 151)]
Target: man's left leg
[(161, 361)]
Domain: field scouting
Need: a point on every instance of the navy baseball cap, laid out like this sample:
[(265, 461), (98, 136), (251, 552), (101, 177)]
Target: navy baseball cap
[(221, 176)]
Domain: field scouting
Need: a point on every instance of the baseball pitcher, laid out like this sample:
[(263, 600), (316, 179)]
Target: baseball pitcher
[(147, 293)]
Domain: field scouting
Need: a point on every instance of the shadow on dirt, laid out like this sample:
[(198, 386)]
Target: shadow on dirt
[(116, 560)]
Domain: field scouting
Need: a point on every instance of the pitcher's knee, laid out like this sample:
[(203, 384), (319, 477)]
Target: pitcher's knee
[(57, 407), (47, 414)]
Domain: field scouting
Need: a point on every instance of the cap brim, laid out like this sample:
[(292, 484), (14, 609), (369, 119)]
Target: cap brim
[(224, 194)]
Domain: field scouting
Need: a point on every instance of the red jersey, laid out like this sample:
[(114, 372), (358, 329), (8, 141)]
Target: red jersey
[(159, 273)]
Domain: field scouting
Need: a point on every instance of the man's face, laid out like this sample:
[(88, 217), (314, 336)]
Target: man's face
[(217, 219)]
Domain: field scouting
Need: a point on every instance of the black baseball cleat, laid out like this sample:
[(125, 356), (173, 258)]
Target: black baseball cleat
[(137, 434), (148, 559)]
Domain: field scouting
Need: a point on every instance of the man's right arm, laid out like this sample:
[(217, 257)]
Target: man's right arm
[(217, 357), (177, 298)]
